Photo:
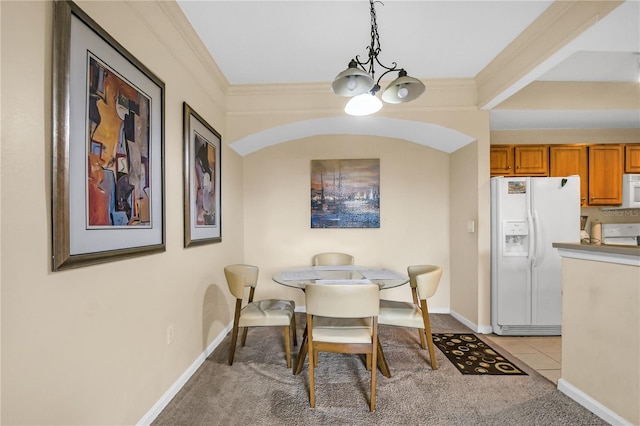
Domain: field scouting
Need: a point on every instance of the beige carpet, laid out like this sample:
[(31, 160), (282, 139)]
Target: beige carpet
[(258, 389)]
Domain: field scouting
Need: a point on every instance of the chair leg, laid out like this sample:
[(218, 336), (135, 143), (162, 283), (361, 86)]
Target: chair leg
[(312, 353), (293, 329), (244, 335), (421, 333), (234, 338), (287, 345), (234, 333), (302, 353), (382, 361), (374, 360), (427, 328), (312, 382), (432, 352)]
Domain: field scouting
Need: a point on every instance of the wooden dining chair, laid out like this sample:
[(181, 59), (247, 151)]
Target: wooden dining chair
[(423, 280), (261, 313), (343, 318), (332, 258)]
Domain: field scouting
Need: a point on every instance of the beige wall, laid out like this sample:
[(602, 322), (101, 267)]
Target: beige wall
[(414, 209), (464, 203), (601, 333), (89, 346), (470, 296)]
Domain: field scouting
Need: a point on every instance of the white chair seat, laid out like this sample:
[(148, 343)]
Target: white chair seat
[(423, 280), (269, 312), (400, 314), (258, 313)]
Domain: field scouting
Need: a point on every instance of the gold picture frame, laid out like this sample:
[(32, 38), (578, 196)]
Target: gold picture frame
[(202, 172), (108, 147)]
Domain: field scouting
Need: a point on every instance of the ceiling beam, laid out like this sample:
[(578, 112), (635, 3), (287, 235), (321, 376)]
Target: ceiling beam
[(561, 23)]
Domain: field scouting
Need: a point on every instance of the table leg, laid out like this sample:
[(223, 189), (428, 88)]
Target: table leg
[(302, 353), (382, 361)]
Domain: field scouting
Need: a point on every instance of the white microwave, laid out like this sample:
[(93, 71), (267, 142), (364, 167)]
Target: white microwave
[(631, 191)]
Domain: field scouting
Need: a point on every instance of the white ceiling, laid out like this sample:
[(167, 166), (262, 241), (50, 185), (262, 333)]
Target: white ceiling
[(255, 42)]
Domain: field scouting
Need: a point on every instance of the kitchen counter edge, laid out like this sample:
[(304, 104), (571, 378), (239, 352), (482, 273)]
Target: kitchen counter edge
[(627, 255)]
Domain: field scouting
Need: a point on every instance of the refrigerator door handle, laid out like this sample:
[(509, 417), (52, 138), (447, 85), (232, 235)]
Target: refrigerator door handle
[(531, 253), (538, 238)]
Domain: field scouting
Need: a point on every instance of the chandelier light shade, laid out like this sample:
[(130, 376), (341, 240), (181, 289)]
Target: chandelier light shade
[(364, 104), (352, 82), (403, 89), (359, 82)]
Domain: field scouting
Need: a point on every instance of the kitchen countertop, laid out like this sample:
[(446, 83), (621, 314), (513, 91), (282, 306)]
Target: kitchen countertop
[(629, 255), (601, 248)]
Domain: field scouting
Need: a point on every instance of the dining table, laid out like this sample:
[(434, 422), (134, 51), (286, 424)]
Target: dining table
[(339, 274)]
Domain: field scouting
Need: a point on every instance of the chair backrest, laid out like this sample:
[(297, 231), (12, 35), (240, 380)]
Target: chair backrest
[(240, 276), (425, 278), (332, 258), (343, 300)]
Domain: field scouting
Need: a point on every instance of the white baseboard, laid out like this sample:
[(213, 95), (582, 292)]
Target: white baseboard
[(591, 404), (182, 380), (481, 329)]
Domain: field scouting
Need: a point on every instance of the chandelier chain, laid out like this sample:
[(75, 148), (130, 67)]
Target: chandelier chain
[(374, 49)]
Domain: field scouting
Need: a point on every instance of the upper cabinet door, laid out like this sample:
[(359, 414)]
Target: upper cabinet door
[(531, 160), (632, 158), (605, 175), (501, 158), (519, 160), (567, 160)]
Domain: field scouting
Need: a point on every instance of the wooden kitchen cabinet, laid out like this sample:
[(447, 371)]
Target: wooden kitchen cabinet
[(567, 160), (531, 160), (501, 158), (606, 165), (519, 160), (632, 158)]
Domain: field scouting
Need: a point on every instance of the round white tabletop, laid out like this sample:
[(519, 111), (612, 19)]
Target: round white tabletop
[(347, 274)]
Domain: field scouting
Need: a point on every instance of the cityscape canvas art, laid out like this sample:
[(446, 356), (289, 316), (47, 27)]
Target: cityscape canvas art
[(345, 193)]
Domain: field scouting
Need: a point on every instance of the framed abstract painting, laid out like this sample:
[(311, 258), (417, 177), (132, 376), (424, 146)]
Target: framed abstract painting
[(202, 202), (108, 142)]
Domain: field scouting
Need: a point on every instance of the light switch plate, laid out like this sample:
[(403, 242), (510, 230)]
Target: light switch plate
[(471, 226)]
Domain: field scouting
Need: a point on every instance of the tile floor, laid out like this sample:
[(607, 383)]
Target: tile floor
[(542, 353)]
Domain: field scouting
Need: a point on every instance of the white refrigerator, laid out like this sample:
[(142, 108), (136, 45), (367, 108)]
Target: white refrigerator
[(528, 214)]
